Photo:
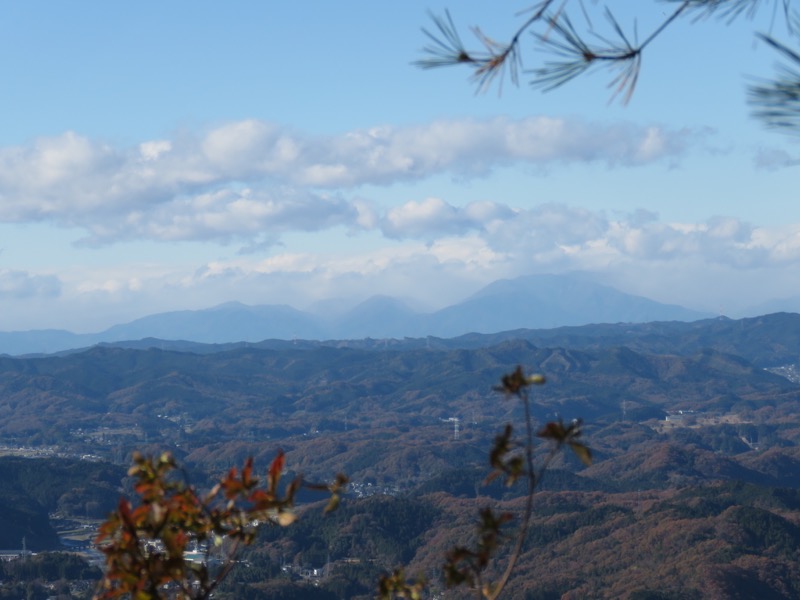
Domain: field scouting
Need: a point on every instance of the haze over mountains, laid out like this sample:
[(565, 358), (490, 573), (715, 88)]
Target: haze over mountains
[(535, 302)]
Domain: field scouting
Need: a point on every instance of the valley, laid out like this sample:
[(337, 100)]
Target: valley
[(694, 428)]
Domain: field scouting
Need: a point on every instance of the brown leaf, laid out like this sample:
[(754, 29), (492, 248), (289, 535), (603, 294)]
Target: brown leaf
[(582, 452)]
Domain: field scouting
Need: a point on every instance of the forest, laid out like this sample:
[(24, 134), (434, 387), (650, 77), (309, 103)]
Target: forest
[(692, 493)]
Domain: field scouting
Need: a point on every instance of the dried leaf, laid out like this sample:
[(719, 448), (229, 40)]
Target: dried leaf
[(285, 518), (333, 503), (582, 452), (275, 470), (553, 431)]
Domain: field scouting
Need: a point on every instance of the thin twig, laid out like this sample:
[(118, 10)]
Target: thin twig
[(665, 24), (532, 483)]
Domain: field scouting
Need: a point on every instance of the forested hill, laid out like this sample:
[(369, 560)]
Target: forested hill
[(767, 341), (119, 398), (254, 387), (695, 445), (31, 489)]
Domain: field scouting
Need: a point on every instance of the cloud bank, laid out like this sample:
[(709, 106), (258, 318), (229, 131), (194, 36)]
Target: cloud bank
[(439, 253), (252, 180), (254, 185)]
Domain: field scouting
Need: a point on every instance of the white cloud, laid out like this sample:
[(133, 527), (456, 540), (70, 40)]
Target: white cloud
[(569, 237), (190, 187), (444, 256), (672, 256), (431, 216), (152, 150), (21, 285), (226, 215)]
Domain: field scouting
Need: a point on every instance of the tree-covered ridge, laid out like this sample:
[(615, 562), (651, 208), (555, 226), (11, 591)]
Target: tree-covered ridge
[(767, 341), (411, 425), (38, 577), (193, 399), (31, 489), (706, 541)]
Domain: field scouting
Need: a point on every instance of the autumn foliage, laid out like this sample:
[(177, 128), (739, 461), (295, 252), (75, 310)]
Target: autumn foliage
[(513, 458), (146, 544)]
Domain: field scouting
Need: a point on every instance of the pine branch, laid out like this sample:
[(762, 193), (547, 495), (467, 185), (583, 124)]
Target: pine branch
[(777, 102), (571, 51)]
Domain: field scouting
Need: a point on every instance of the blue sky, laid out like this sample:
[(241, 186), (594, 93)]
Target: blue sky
[(166, 155)]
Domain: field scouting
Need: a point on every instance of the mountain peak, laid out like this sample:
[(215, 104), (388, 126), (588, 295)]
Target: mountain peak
[(529, 302)]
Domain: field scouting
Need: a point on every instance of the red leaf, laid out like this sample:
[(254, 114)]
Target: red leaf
[(275, 470), (125, 511), (247, 472)]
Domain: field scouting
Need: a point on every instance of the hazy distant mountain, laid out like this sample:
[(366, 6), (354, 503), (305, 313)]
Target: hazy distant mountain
[(545, 301), (227, 322), (43, 341), (789, 305), (768, 341), (380, 317), (535, 302)]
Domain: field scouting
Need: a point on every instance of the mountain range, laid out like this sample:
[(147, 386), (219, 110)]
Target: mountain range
[(534, 302), (694, 429), (322, 402)]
